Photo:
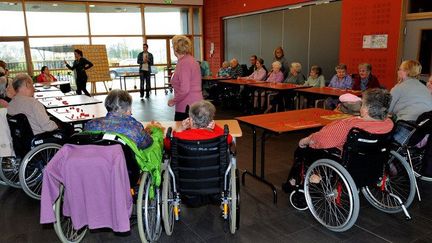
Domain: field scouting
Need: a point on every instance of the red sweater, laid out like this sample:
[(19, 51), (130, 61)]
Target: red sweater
[(197, 134), (372, 83)]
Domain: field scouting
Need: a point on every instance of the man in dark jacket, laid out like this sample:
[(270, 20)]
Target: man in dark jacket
[(145, 60)]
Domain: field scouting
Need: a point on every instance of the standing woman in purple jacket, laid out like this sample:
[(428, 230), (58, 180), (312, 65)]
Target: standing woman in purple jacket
[(186, 80)]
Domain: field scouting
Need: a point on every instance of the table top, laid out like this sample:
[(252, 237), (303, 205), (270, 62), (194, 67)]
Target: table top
[(295, 120), (277, 86), (46, 88), (72, 100), (211, 78), (233, 125), (55, 83), (81, 113), (55, 93), (328, 91)]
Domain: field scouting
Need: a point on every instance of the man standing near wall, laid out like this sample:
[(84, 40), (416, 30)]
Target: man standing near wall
[(145, 60)]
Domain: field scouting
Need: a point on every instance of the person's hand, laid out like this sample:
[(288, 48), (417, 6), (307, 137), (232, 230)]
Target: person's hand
[(65, 62), (154, 124), (187, 123), (211, 125), (171, 103), (304, 142)]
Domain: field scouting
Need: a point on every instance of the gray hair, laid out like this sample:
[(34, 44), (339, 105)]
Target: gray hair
[(366, 65), (202, 113), (277, 64), (118, 101), (20, 80), (297, 66), (3, 84), (377, 101)]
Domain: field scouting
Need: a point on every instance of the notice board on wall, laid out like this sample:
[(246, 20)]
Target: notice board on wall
[(97, 55)]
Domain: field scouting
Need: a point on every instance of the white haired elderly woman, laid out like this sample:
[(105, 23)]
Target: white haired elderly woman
[(200, 124), (295, 75), (373, 119), (119, 119), (275, 76)]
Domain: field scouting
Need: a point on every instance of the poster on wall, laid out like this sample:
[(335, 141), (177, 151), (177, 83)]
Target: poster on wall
[(375, 41), (96, 54)]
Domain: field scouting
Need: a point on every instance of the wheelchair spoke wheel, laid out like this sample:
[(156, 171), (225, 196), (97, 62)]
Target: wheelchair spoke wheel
[(32, 166), (398, 180), (148, 210), (417, 162), (331, 195), (168, 203), (232, 201), (63, 225), (9, 171)]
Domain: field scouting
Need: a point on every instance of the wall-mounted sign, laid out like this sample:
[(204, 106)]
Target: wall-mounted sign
[(168, 1), (375, 41)]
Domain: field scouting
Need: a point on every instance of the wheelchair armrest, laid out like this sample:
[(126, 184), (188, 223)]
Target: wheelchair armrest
[(56, 136)]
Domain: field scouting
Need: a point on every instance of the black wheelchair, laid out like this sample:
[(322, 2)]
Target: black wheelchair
[(200, 168), (330, 185), (147, 207), (32, 153)]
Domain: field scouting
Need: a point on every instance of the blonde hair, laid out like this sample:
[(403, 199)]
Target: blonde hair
[(413, 68), (297, 66), (182, 44)]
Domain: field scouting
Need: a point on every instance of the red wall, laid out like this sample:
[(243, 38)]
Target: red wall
[(359, 17)]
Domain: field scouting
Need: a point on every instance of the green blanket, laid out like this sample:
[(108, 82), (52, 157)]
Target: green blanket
[(149, 159)]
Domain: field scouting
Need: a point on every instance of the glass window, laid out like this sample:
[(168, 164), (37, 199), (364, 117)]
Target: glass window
[(197, 48), (52, 52), (122, 51), (419, 6), (197, 21), (159, 50), (12, 52), (115, 20), (13, 14), (175, 21), (56, 19)]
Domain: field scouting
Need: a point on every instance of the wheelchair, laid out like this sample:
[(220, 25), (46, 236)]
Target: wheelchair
[(407, 136), (147, 200), (32, 153), (200, 168), (330, 185)]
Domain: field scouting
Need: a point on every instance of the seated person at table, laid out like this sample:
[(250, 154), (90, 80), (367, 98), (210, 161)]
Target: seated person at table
[(365, 79), (45, 76), (119, 119), (295, 75), (224, 71), (235, 70), (260, 73), (23, 102), (315, 79), (200, 126), (410, 97), (341, 80), (205, 68), (373, 119), (275, 76), (253, 66)]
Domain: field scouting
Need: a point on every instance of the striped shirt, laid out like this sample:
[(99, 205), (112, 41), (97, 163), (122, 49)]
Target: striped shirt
[(334, 135)]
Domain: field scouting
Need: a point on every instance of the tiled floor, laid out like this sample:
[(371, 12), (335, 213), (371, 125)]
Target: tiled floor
[(261, 220)]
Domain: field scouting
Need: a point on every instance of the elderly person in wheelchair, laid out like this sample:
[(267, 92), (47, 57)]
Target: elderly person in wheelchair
[(330, 166), (200, 168)]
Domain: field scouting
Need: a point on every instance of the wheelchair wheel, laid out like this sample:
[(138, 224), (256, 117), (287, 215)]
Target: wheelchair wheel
[(397, 179), (148, 210), (232, 201), (63, 225), (9, 171), (167, 203), (332, 198), (297, 200), (417, 164), (32, 166)]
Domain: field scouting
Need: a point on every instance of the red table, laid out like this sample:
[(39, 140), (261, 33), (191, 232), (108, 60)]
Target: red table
[(328, 91), (282, 122)]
